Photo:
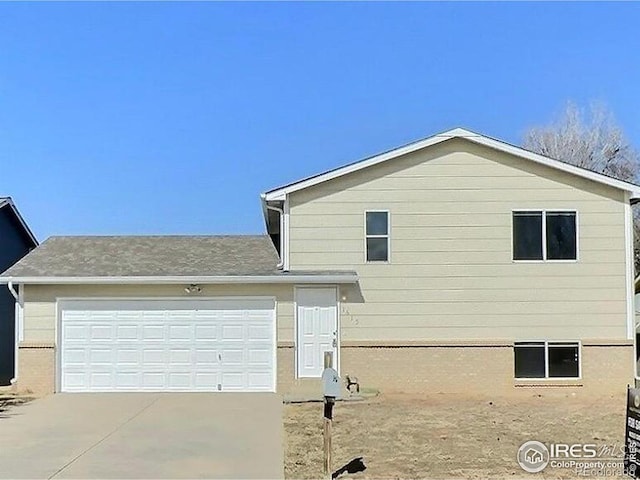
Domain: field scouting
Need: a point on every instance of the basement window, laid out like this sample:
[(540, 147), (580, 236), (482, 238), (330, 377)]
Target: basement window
[(546, 360), (545, 235), (377, 236)]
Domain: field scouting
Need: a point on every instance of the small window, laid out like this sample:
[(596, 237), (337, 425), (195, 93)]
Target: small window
[(529, 360), (561, 235), (377, 236), (542, 235), (547, 360), (527, 235)]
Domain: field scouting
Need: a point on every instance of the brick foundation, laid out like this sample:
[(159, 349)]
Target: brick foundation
[(37, 367), (412, 369), (460, 369)]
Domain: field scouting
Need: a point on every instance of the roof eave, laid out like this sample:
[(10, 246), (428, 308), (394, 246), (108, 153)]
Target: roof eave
[(347, 278), (8, 202)]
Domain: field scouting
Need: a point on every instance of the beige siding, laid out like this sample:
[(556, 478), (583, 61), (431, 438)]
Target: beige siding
[(451, 274), (40, 303)]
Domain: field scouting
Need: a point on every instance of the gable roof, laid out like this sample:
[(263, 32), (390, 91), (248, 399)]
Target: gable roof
[(281, 192), (7, 202), (158, 259)]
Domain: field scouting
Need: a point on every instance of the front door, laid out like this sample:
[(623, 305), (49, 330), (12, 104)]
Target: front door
[(317, 326)]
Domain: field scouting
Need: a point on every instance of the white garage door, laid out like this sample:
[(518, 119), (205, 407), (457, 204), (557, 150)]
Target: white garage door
[(155, 345)]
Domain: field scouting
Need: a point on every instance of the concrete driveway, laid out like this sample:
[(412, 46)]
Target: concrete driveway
[(139, 435)]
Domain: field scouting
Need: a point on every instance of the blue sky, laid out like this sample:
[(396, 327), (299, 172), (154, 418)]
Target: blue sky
[(142, 118)]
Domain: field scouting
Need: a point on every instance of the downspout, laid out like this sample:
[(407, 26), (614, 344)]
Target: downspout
[(16, 327), (281, 216)]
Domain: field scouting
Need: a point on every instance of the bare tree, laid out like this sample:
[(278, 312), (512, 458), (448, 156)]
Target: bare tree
[(590, 139), (593, 140)]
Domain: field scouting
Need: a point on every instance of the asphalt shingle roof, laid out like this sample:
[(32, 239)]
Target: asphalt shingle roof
[(122, 256)]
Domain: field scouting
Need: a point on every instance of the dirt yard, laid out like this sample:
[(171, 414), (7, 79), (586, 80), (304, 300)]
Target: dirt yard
[(444, 436)]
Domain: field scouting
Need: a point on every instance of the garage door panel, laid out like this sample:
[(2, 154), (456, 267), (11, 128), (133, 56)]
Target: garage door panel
[(76, 356), (181, 333), (181, 380), (205, 333), (232, 356), (180, 357), (213, 345), (232, 332), (127, 380), (101, 356), (126, 332), (76, 333), (258, 333), (153, 357), (152, 333), (260, 356), (127, 357), (206, 356), (75, 380), (259, 381)]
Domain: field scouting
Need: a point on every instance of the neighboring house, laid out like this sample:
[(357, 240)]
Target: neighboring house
[(458, 263), (16, 240)]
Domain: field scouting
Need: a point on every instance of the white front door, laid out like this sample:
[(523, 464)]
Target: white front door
[(317, 325)]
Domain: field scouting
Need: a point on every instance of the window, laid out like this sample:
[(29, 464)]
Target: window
[(377, 236), (545, 235), (547, 360)]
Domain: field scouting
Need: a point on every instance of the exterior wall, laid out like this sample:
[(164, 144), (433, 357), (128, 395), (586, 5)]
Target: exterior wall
[(451, 274), (483, 368), (477, 369), (37, 351), (14, 244)]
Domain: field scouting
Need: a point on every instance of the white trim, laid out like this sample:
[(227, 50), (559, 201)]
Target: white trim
[(62, 302), (286, 237), (176, 298), (387, 236), (8, 201), (547, 378), (172, 280), (281, 193), (629, 262), (296, 288), (338, 328), (58, 346), (275, 343), (20, 318), (544, 212)]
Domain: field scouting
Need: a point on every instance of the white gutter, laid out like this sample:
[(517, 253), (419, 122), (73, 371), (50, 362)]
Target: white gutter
[(344, 278), (16, 329), (12, 290)]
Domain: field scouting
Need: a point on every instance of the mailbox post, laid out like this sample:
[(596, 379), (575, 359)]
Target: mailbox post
[(331, 391)]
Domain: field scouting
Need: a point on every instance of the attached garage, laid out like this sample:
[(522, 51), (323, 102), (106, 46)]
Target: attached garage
[(203, 345), (157, 314)]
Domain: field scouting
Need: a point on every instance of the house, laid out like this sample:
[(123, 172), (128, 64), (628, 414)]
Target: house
[(16, 240), (458, 263)]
